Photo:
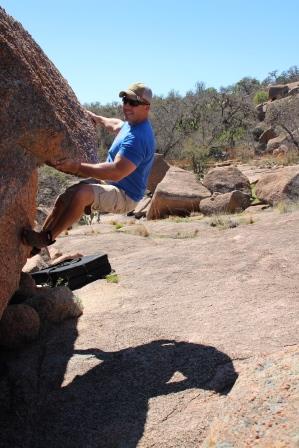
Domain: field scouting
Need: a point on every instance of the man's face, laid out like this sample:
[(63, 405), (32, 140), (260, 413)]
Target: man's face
[(135, 112)]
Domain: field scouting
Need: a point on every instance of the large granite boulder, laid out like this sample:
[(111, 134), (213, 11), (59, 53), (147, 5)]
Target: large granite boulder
[(41, 121), (281, 185), (262, 408), (179, 193), (158, 171), (225, 179), (232, 202)]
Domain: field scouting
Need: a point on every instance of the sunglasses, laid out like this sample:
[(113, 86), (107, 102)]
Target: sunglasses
[(133, 103)]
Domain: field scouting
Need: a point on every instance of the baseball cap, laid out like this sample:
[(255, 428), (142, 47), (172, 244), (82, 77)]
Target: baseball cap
[(138, 91)]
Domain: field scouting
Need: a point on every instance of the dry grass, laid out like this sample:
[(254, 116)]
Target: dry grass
[(269, 161), (194, 216), (115, 222), (141, 230), (228, 221), (185, 235), (286, 206), (223, 221), (138, 229), (242, 154)]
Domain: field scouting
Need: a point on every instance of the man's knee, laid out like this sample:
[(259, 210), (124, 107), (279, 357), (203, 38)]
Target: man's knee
[(80, 194), (84, 194)]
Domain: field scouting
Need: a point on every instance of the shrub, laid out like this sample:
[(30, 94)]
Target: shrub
[(260, 97)]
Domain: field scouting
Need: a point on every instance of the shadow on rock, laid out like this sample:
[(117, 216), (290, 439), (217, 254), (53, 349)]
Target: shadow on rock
[(107, 406), (28, 378)]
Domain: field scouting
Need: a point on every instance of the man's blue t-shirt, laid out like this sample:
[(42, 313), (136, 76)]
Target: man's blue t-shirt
[(136, 143)]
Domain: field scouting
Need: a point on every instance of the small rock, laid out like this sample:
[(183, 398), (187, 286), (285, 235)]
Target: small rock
[(56, 304), (232, 202)]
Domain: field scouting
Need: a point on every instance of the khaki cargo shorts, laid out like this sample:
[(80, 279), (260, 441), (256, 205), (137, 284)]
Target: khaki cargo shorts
[(110, 199)]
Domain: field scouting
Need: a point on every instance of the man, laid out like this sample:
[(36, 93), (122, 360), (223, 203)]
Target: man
[(122, 178)]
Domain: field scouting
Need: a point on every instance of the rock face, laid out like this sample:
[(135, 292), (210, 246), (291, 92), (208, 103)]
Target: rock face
[(40, 120), (179, 193), (19, 324), (225, 179), (234, 201), (261, 410), (282, 185)]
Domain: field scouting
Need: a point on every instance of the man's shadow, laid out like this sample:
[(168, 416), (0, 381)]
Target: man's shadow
[(107, 406)]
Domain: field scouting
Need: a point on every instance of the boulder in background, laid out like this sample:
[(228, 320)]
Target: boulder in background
[(158, 171), (232, 202), (281, 185), (226, 179), (179, 193)]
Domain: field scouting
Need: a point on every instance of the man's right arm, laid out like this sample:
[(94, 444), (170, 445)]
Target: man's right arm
[(111, 124)]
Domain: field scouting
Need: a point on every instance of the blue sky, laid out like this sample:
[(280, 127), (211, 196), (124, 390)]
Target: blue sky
[(100, 47)]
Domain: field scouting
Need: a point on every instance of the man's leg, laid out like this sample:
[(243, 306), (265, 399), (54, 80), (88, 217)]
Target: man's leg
[(68, 209), (82, 197)]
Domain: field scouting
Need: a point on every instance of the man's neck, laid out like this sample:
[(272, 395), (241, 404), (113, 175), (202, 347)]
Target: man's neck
[(137, 122)]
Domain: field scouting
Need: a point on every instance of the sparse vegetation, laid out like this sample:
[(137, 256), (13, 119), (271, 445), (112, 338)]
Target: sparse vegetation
[(112, 278), (178, 219), (223, 221), (286, 206), (226, 221), (141, 230), (260, 97), (191, 218), (255, 199), (186, 235), (89, 219), (291, 157)]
